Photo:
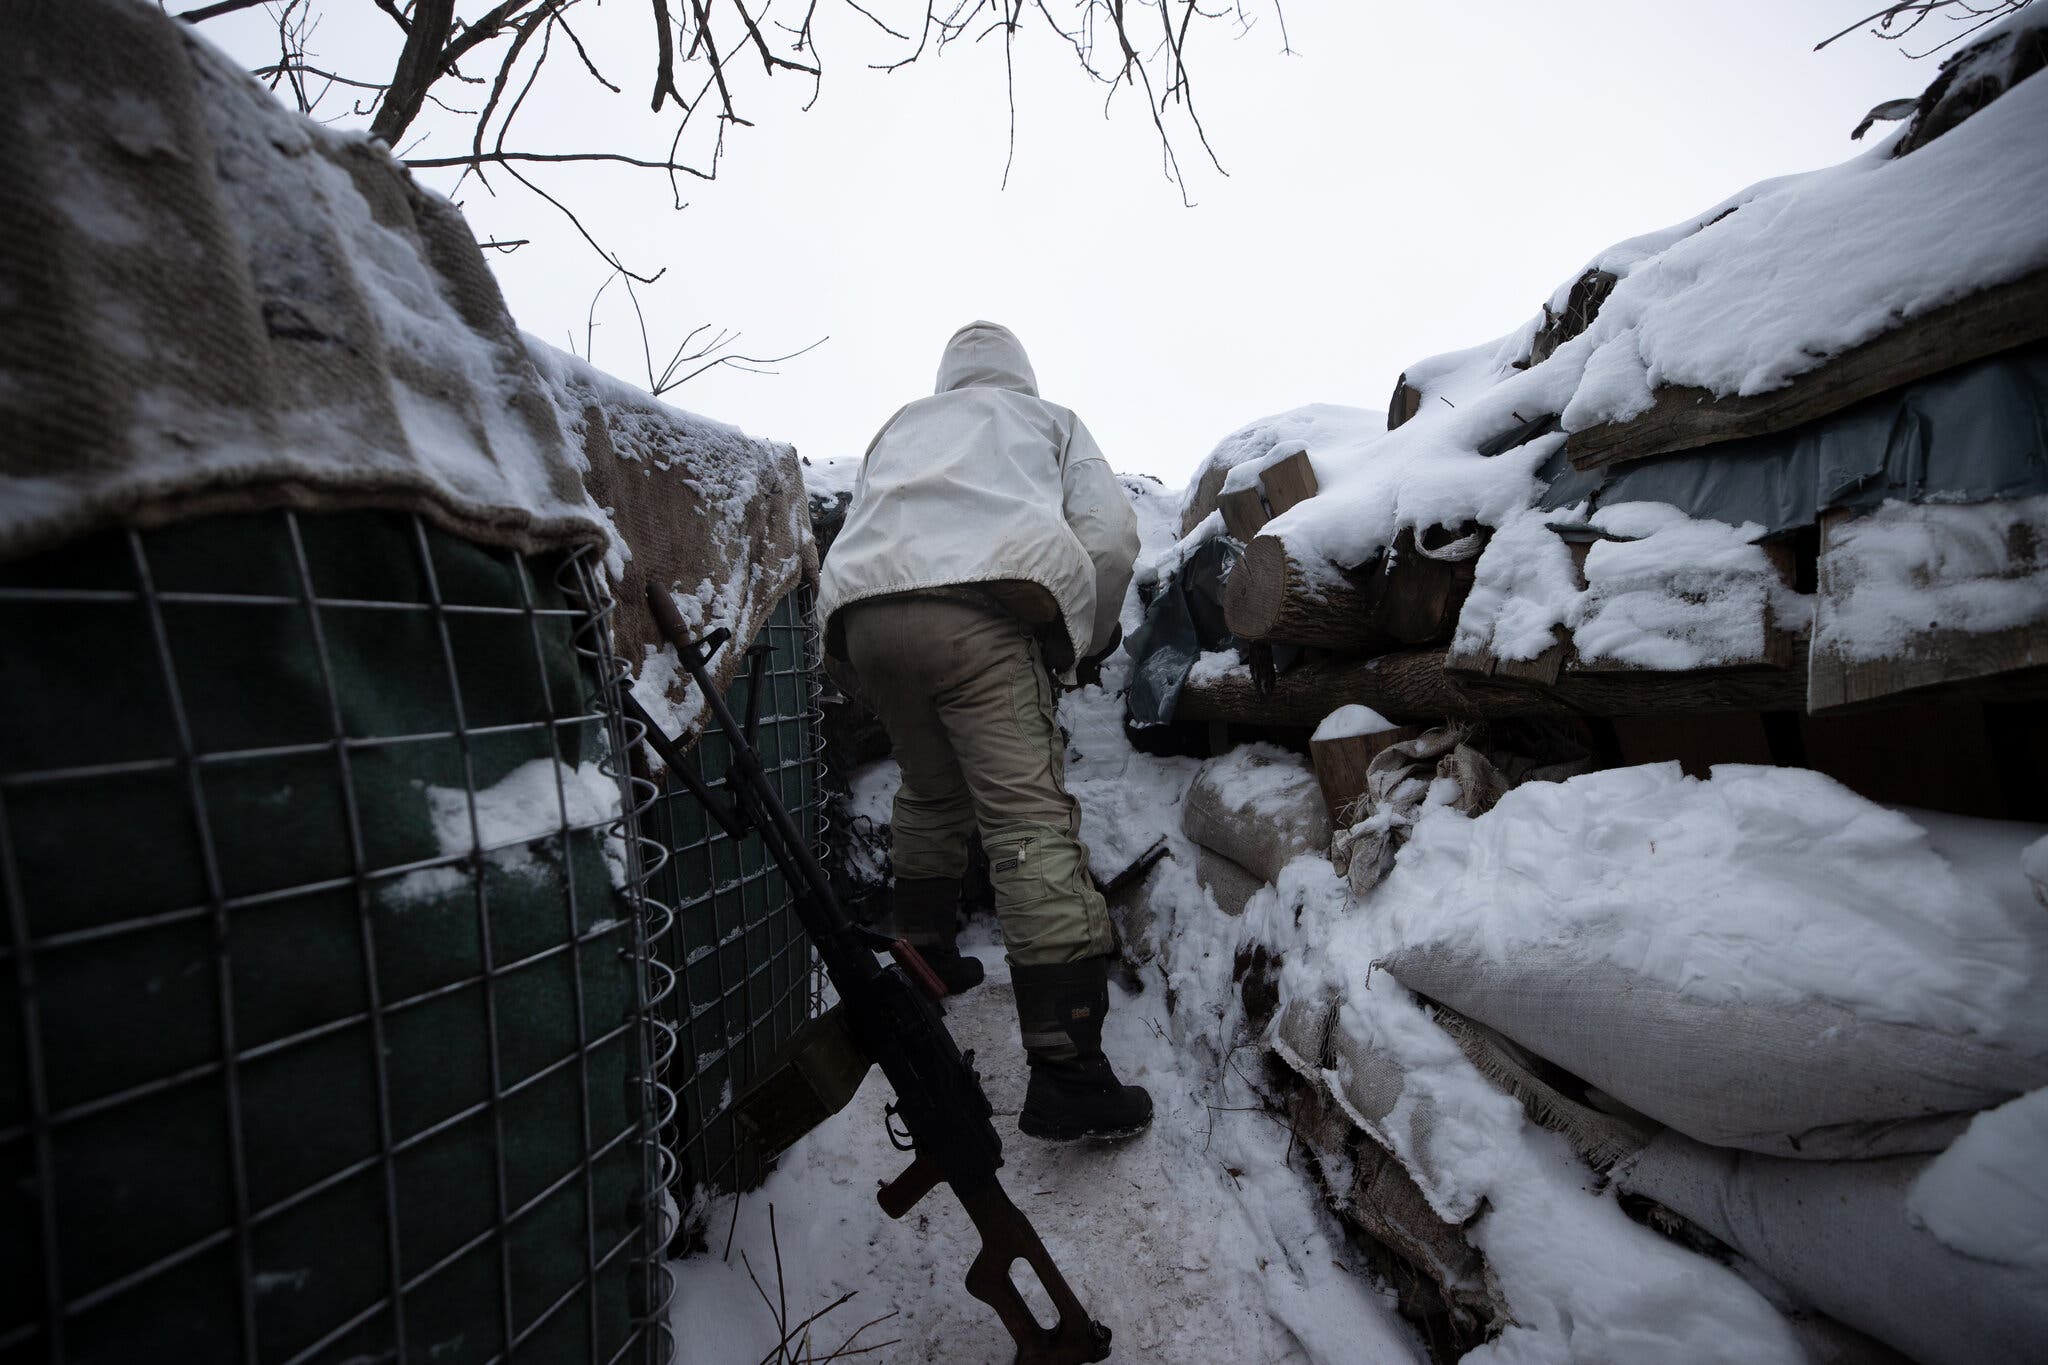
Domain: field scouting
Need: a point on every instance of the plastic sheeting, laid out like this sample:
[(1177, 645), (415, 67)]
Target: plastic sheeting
[(1184, 618), (1976, 433)]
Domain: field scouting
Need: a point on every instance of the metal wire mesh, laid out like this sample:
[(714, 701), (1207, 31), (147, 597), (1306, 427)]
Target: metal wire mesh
[(335, 1025), (746, 976)]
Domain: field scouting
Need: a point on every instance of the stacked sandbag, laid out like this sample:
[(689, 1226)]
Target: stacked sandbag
[(1844, 1236), (1811, 994), (1764, 961), (1250, 812)]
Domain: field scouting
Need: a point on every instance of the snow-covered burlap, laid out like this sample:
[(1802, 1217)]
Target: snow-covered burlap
[(214, 305), (1370, 1187), (1231, 885), (1368, 1083), (1259, 806), (1838, 1235), (718, 518)]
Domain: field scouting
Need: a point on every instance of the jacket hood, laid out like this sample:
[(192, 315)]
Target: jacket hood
[(986, 354)]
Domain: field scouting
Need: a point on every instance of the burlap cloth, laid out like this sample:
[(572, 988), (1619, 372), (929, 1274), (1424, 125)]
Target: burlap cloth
[(210, 305)]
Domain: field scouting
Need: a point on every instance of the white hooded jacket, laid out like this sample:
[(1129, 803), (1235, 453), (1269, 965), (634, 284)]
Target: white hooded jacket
[(987, 484)]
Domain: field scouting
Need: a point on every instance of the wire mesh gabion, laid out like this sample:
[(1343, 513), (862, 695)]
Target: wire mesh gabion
[(746, 976), (330, 1022)]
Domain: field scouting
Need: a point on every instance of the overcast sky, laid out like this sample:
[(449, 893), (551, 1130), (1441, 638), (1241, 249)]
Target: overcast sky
[(1415, 178)]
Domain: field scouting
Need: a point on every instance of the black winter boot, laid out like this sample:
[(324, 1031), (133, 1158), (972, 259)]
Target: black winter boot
[(927, 911), (1073, 1093)]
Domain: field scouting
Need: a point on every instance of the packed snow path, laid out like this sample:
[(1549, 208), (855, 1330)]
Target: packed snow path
[(1195, 1241)]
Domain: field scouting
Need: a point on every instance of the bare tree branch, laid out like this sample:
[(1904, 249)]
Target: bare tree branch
[(418, 67)]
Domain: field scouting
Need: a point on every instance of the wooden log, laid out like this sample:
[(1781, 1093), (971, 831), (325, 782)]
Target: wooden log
[(1207, 490), (1406, 402), (1414, 687), (1983, 324), (1581, 306), (1270, 595), (1341, 762), (1289, 483), (1244, 512), (1418, 597)]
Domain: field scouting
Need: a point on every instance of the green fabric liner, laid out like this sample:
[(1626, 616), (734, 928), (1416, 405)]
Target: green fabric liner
[(144, 1178), (740, 953)]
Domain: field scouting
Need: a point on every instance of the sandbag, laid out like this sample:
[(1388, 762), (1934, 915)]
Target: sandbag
[(1837, 1234), (1764, 960), (1259, 806), (1435, 769), (1231, 885), (1600, 1136), (1804, 1079)]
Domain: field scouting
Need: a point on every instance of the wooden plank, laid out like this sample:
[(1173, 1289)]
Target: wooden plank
[(2000, 665), (1544, 670), (1290, 482), (1244, 512), (1983, 324), (1341, 763), (1414, 687)]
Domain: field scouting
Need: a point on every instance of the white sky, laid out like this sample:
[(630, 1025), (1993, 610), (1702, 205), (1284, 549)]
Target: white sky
[(1417, 178)]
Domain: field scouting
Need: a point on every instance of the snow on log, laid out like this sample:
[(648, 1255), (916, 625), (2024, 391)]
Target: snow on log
[(1983, 324), (1272, 595), (1414, 686)]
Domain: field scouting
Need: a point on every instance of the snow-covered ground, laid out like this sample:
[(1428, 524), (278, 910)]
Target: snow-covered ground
[(1203, 1240)]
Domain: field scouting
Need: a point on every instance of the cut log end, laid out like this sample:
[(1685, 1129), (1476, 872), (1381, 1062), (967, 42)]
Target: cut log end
[(1271, 596)]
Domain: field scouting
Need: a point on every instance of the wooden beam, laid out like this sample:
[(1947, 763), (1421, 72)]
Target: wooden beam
[(1414, 687), (1983, 324), (1270, 595), (1951, 665), (1289, 483), (1244, 512)]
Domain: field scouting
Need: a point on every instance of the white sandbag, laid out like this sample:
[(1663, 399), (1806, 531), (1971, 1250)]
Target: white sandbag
[(1231, 885), (1764, 960), (1259, 806), (1838, 1235)]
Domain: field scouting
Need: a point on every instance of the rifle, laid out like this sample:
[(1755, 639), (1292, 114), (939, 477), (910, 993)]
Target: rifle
[(893, 1010)]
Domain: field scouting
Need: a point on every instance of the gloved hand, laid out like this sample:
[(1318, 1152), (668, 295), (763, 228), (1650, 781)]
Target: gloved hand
[(1089, 671)]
